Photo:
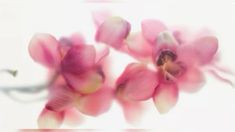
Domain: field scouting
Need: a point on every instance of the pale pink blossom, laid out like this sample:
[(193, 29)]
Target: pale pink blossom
[(78, 80), (177, 61)]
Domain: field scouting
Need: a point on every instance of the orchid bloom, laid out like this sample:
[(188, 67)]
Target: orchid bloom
[(177, 61), (79, 80)]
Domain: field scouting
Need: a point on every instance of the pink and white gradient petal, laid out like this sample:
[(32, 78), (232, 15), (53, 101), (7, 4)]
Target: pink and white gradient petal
[(165, 97), (96, 103), (206, 47), (138, 47), (133, 110), (50, 119), (113, 31), (100, 16), (191, 81), (137, 82), (151, 29), (73, 117), (60, 99), (43, 48)]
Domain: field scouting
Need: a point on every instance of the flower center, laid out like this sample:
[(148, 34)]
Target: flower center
[(170, 69)]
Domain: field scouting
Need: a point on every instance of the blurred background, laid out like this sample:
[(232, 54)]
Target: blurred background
[(211, 109)]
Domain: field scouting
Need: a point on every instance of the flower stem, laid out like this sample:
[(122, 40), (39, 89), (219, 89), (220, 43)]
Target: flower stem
[(9, 71), (33, 89)]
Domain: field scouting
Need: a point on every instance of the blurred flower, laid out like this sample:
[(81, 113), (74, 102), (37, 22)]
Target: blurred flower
[(78, 79), (175, 60)]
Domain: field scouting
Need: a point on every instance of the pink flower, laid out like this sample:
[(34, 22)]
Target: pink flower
[(177, 61), (78, 81)]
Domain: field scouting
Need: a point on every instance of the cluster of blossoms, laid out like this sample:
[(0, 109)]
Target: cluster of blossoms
[(169, 61)]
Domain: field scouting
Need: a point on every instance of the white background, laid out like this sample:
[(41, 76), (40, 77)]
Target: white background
[(211, 109)]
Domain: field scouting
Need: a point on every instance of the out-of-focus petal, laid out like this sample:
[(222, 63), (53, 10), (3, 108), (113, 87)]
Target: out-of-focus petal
[(191, 81), (60, 99), (100, 16), (73, 117), (101, 53), (77, 39), (68, 42), (165, 97), (205, 48), (186, 54), (96, 103), (138, 46), (113, 31), (151, 29), (50, 119), (78, 59), (85, 83), (43, 48), (133, 110), (137, 82)]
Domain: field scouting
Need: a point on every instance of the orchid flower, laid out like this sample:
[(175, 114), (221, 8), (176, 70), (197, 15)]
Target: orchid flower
[(177, 61), (78, 80)]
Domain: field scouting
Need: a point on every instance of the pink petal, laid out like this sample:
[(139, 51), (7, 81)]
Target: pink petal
[(101, 53), (50, 119), (138, 46), (137, 82), (206, 47), (165, 97), (100, 16), (185, 53), (60, 99), (73, 117), (96, 103), (77, 39), (86, 83), (43, 48), (113, 31), (133, 110), (68, 42), (151, 29), (78, 59), (191, 81)]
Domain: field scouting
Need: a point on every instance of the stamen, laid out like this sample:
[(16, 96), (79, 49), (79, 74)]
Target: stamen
[(165, 56), (170, 68)]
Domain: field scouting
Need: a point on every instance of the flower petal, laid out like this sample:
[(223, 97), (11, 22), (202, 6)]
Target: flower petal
[(100, 16), (61, 98), (113, 31), (151, 29), (133, 110), (206, 47), (165, 97), (96, 103), (78, 59), (101, 53), (50, 119), (73, 117), (43, 48), (187, 55), (85, 83), (138, 46), (191, 81), (68, 42), (137, 82)]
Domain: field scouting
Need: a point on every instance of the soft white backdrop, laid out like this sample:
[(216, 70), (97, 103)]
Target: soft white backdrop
[(211, 109)]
